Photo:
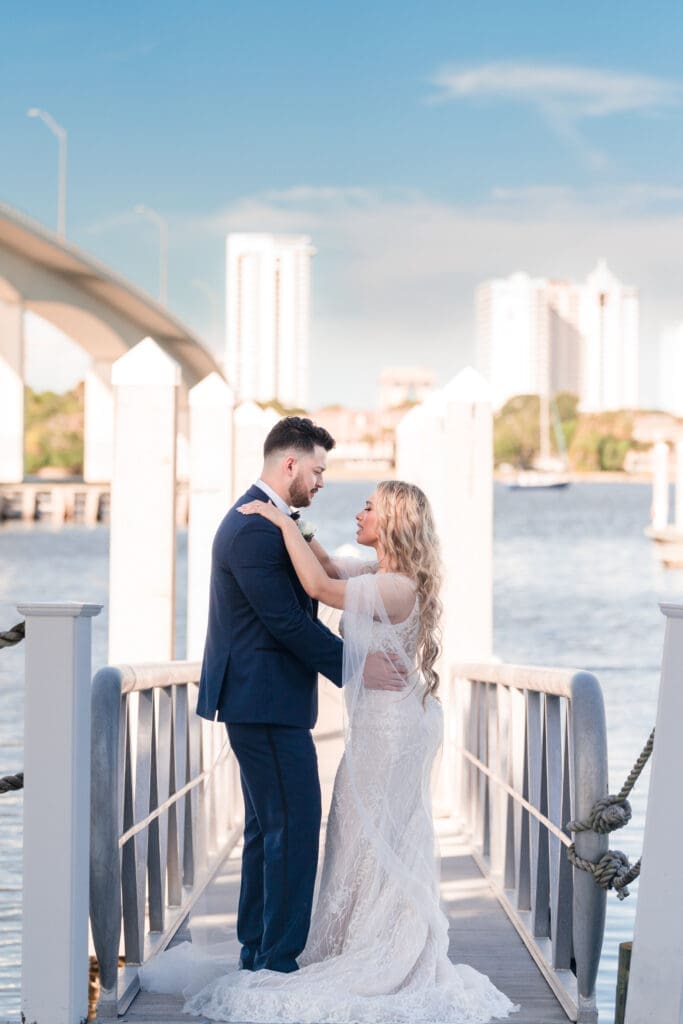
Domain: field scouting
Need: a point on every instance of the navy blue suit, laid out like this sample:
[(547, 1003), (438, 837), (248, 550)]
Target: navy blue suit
[(264, 649)]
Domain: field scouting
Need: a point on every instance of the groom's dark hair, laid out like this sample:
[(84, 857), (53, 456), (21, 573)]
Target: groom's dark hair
[(298, 433)]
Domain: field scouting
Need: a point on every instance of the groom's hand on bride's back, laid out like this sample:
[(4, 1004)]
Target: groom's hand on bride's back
[(385, 672)]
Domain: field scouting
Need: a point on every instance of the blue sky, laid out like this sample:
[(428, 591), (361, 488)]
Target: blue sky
[(424, 145)]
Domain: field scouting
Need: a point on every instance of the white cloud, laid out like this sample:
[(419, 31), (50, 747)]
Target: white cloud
[(578, 91), (564, 95)]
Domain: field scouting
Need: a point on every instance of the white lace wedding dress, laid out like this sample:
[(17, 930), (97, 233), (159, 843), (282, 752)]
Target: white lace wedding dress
[(377, 951)]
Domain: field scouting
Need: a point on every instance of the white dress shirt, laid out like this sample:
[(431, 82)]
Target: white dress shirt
[(275, 498)]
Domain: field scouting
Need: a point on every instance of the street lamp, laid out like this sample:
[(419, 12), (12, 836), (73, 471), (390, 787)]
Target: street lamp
[(57, 130), (162, 224)]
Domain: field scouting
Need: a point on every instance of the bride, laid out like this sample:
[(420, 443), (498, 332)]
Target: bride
[(377, 950)]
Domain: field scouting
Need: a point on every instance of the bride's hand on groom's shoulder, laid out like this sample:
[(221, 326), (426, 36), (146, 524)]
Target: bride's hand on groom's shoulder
[(265, 509)]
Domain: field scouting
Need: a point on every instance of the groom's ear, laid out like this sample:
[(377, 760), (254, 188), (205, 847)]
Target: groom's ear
[(289, 464)]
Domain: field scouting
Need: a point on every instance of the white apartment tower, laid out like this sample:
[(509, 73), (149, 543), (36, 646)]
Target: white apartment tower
[(513, 343), (608, 323), (539, 336), (268, 296)]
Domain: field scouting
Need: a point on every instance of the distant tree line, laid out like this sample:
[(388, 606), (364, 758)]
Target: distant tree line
[(592, 441), (53, 430)]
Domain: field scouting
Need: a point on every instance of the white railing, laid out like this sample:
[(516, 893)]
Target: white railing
[(530, 752), (166, 810)]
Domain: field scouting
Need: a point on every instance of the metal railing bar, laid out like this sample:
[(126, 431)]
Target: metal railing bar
[(555, 681), (174, 797), (516, 796), (151, 675)]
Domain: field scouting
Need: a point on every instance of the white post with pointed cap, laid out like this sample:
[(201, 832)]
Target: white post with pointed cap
[(98, 424), (142, 544), (445, 446), (660, 486), (655, 986), (56, 842), (252, 424), (11, 393), (211, 411)]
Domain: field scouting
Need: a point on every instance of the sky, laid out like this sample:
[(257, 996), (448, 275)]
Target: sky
[(425, 147)]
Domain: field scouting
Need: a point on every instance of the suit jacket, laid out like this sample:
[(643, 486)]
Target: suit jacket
[(264, 645)]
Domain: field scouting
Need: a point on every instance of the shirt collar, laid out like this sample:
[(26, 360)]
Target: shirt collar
[(275, 498)]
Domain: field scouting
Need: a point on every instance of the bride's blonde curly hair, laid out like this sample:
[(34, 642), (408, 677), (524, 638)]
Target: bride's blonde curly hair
[(408, 538)]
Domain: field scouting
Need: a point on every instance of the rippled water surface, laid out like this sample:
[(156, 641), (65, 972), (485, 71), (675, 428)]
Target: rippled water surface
[(576, 584)]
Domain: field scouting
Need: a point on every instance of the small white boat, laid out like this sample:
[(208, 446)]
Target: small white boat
[(537, 480)]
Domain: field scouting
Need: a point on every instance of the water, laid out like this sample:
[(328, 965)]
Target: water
[(576, 584)]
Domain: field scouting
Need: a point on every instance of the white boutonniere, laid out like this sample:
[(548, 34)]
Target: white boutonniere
[(306, 529)]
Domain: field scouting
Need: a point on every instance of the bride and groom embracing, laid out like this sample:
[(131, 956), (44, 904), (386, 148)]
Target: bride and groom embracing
[(374, 948)]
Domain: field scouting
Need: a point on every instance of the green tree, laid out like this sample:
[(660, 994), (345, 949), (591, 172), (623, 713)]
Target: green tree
[(53, 430)]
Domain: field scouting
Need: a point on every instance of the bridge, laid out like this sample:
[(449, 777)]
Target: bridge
[(99, 310)]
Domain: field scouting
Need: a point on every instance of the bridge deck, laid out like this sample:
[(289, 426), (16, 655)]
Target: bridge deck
[(480, 932)]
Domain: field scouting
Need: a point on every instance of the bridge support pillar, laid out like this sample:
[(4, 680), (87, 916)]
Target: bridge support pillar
[(142, 545), (211, 410), (99, 424), (11, 392)]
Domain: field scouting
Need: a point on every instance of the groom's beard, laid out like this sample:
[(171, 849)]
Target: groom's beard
[(299, 495)]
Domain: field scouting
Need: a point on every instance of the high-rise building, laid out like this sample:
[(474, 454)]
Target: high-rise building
[(514, 326), (608, 323), (671, 370), (540, 336), (268, 317)]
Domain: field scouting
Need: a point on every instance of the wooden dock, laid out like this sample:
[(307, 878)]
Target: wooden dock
[(481, 934)]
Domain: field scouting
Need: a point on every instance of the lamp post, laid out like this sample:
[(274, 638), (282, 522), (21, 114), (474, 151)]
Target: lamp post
[(162, 224), (57, 130)]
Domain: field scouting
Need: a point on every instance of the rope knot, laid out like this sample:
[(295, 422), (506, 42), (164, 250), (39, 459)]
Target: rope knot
[(606, 815), (612, 871), (609, 814)]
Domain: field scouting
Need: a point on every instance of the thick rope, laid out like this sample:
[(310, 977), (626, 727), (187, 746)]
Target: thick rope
[(10, 783), (13, 636), (613, 870)]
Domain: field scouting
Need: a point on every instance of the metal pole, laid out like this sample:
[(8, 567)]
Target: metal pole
[(60, 133), (61, 214)]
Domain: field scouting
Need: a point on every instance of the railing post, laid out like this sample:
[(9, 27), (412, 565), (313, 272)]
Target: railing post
[(655, 986), (589, 777), (105, 857), (56, 822)]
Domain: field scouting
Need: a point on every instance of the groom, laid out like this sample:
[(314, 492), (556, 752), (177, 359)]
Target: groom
[(264, 650)]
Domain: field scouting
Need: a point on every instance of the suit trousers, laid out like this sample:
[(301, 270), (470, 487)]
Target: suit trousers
[(281, 788)]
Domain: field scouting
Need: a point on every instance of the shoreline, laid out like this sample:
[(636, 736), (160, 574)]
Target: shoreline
[(346, 474)]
